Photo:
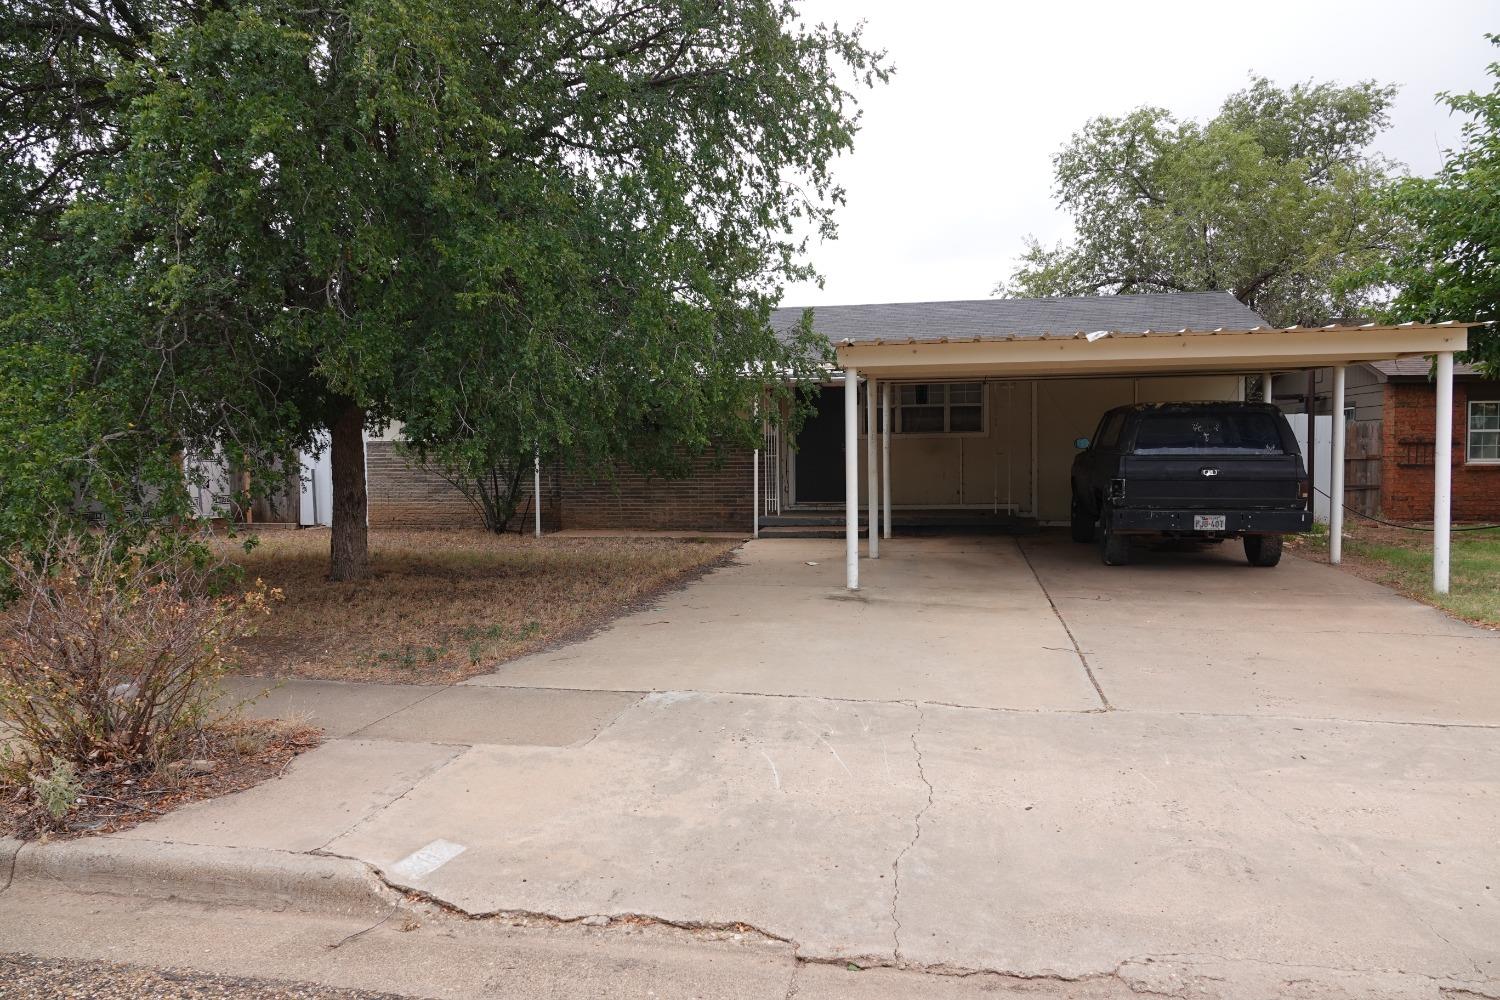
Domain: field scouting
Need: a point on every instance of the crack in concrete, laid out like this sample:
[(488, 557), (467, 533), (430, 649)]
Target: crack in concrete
[(1057, 612), (1112, 709), (463, 749), (792, 988), (608, 725), (431, 694), (916, 836)]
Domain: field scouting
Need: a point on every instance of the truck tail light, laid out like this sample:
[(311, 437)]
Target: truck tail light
[(1117, 489), (1304, 489)]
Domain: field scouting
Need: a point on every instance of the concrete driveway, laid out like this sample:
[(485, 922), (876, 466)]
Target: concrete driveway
[(1186, 776)]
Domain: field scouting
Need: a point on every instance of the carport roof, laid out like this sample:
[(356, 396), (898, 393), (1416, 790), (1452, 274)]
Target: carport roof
[(913, 322)]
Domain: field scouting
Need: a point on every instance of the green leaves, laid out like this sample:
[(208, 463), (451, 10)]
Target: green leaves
[(1273, 200), (500, 224), (1450, 269)]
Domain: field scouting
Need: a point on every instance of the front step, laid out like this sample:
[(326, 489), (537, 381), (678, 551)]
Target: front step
[(806, 530)]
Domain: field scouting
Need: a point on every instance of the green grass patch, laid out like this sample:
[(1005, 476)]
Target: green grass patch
[(1402, 559)]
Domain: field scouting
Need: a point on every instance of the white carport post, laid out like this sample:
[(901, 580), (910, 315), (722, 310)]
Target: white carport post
[(1265, 388), (851, 478), (1336, 472), (1442, 473), (872, 470), (885, 456)]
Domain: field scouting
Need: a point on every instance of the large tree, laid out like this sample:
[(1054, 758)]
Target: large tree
[(1451, 269), (1274, 199), (554, 224)]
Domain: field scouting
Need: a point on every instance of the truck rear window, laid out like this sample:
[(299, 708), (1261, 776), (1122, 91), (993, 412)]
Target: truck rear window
[(1199, 433)]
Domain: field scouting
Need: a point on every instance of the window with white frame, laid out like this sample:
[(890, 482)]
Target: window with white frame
[(1484, 430), (935, 408)]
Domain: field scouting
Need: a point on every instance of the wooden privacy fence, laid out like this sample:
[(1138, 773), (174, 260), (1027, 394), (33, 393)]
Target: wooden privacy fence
[(1362, 460)]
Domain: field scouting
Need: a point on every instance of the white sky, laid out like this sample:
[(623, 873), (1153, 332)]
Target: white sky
[(952, 166)]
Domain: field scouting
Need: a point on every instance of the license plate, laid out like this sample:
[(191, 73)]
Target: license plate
[(1208, 522)]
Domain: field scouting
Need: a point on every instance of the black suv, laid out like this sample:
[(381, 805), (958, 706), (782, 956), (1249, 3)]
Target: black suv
[(1200, 470)]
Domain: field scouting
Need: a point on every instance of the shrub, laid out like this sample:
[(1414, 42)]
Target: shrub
[(57, 792), (109, 656)]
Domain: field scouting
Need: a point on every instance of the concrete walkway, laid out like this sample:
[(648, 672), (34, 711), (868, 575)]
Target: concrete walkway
[(1186, 776)]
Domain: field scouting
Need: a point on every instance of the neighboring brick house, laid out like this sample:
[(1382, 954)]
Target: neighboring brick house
[(1399, 397)]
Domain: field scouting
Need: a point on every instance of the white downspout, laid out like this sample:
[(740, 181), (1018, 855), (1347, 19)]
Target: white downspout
[(872, 471), (1442, 474), (1266, 394), (851, 478), (885, 454), (1336, 472), (536, 488)]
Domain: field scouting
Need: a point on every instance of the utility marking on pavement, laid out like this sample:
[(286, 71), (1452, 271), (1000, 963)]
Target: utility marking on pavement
[(822, 739), (423, 862), (775, 774)]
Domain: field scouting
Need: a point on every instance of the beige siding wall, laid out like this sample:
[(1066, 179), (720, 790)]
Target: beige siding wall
[(994, 469)]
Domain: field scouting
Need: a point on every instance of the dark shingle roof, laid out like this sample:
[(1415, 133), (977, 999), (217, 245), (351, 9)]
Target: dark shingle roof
[(972, 318), (1417, 368)]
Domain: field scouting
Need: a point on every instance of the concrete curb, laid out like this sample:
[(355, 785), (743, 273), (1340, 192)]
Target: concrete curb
[(273, 880)]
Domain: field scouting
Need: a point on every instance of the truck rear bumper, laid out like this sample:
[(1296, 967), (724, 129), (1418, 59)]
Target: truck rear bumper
[(1236, 522)]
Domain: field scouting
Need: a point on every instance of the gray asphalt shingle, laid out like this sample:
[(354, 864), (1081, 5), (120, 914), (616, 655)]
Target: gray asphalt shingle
[(1417, 368), (967, 319)]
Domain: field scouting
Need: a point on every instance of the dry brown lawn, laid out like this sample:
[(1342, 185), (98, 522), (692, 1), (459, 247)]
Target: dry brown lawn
[(439, 606)]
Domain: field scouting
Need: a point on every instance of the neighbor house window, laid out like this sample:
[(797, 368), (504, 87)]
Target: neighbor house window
[(1484, 430), (939, 408)]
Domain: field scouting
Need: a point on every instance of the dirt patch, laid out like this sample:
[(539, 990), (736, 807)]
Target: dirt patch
[(441, 606), (227, 757)]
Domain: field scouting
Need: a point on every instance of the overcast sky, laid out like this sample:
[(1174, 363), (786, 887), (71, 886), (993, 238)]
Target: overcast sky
[(952, 166)]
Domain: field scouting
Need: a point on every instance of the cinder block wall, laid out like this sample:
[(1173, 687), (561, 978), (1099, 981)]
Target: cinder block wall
[(1406, 490)]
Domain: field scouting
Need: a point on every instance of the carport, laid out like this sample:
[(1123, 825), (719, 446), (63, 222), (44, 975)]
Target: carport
[(930, 355)]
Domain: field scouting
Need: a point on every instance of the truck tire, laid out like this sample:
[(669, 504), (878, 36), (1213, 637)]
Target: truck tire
[(1114, 548), (1263, 550), (1081, 522)]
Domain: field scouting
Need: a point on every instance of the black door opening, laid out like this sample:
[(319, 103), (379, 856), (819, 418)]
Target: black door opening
[(820, 450)]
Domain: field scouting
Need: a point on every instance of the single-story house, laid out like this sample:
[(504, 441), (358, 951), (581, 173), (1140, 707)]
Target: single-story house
[(956, 409), (1389, 409)]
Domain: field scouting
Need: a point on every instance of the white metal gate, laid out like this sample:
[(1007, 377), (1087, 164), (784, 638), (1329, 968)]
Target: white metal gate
[(770, 471)]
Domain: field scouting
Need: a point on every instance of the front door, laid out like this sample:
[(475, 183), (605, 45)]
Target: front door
[(820, 450)]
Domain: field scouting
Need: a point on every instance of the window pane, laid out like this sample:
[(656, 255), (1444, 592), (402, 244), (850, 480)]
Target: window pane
[(921, 419), (966, 419), (1201, 433), (966, 393), (919, 395)]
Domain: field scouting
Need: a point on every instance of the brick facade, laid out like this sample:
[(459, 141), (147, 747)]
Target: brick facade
[(406, 495), (714, 497), (1406, 473)]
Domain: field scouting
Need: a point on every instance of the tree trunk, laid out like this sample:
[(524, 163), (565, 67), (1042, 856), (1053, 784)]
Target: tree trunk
[(349, 545)]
